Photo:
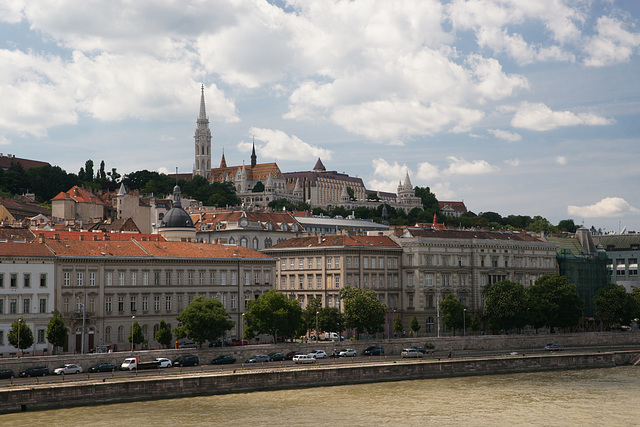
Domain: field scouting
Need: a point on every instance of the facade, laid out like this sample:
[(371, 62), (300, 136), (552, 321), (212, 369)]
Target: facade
[(146, 212), (119, 282), (623, 252), (453, 209), (320, 266), (177, 225), (202, 137), (77, 204), (256, 230), (328, 225), (27, 292), (460, 262)]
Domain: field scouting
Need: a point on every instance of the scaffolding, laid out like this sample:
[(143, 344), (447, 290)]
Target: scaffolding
[(588, 271)]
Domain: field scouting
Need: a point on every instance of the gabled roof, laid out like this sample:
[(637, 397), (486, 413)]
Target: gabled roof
[(9, 234), (209, 220), (79, 195), (456, 206), (260, 171), (336, 240), (469, 234)]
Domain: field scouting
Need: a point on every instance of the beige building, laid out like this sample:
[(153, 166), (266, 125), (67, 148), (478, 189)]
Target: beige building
[(462, 262), (77, 204), (111, 282), (320, 266)]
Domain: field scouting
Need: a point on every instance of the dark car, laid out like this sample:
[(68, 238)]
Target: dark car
[(291, 354), (38, 371), (277, 357), (422, 350), (374, 350), (553, 347), (103, 367), (223, 359), (186, 360), (257, 358), (6, 373)]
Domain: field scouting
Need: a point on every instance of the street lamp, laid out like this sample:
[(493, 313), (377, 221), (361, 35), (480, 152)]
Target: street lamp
[(242, 334), (317, 339), (132, 319), (464, 322), (84, 318)]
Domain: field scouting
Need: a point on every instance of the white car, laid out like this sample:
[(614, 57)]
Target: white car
[(410, 352), (318, 354), (68, 369), (349, 352), (164, 362), (303, 358)]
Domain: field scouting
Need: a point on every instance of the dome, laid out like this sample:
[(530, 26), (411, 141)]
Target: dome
[(175, 218)]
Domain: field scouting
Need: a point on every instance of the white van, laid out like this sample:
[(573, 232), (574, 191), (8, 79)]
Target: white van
[(331, 336), (303, 358)]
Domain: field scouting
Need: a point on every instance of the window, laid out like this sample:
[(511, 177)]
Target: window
[(43, 280), (26, 279), (107, 334), (256, 277), (1, 280), (80, 279), (234, 301), (365, 262), (108, 280), (329, 262), (336, 281), (267, 277), (133, 304), (41, 333), (318, 282), (318, 263), (43, 305), (428, 280), (120, 303), (26, 302), (620, 267), (283, 265), (134, 278), (300, 263), (145, 303), (65, 304), (190, 278), (145, 278), (13, 306), (292, 264), (156, 303), (310, 263), (1, 305), (409, 259), (107, 305), (380, 263), (366, 281), (121, 278), (167, 277), (92, 304), (92, 278), (223, 278), (233, 278), (120, 333), (201, 277), (167, 302), (301, 282), (633, 266), (348, 262), (1, 337), (246, 278), (429, 300), (410, 279), (156, 278), (179, 278), (337, 262)]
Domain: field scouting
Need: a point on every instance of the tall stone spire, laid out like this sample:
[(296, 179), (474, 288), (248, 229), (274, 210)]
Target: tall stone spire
[(254, 158), (202, 166)]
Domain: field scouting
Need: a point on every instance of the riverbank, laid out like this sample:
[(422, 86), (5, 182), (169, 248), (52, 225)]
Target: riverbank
[(85, 393)]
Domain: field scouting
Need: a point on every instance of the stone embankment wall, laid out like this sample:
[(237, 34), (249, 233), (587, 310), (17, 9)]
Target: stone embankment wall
[(48, 396)]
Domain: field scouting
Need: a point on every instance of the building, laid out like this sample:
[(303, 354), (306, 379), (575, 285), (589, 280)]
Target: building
[(10, 161), (453, 209), (20, 209), (202, 137), (176, 225), (110, 284), (320, 266), (146, 212), (623, 252), (27, 283), (328, 225), (77, 204), (438, 262)]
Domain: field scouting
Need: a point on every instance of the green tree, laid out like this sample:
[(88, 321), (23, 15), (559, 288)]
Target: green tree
[(135, 334), (314, 305), (635, 303), (475, 323), (452, 312), (20, 336), (415, 326), (567, 225), (362, 310), (258, 188), (56, 331), (397, 326), (163, 334), (505, 305), (613, 305), (273, 314), (204, 319), (429, 201), (553, 302), (330, 320), (350, 193)]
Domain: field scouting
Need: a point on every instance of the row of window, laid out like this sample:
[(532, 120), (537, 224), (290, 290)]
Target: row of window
[(623, 267), (169, 278), (27, 307), (485, 261), (14, 280), (315, 263)]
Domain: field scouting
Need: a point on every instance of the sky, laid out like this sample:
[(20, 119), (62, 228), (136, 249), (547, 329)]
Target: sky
[(517, 107)]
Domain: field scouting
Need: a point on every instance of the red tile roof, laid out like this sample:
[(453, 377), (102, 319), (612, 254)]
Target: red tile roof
[(80, 195), (254, 217), (95, 235), (336, 240), (456, 206), (24, 249)]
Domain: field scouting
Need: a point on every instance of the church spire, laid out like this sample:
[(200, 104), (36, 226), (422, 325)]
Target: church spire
[(254, 158), (203, 111), (202, 165)]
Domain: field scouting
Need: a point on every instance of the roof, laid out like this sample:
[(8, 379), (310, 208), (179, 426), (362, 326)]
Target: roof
[(259, 172), (209, 220), (24, 207), (567, 245), (24, 249), (470, 234), (9, 234), (96, 235), (619, 242), (6, 161), (79, 195), (314, 176), (336, 240), (456, 206)]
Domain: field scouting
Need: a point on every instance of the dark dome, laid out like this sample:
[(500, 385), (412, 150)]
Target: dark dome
[(176, 217)]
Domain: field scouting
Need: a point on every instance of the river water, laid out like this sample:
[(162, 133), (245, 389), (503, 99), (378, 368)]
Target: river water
[(593, 397)]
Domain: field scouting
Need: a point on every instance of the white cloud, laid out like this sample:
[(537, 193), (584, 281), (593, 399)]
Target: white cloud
[(505, 134), (513, 162), (427, 171), (390, 185), (390, 171), (613, 43), (442, 191), (607, 207), (539, 117), (11, 11), (561, 160), (278, 145), (459, 166)]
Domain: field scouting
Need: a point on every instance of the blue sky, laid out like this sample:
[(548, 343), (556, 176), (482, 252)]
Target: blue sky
[(514, 106)]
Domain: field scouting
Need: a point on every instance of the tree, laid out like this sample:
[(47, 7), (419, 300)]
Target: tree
[(204, 319), (429, 201), (397, 326), (613, 305), (56, 331), (163, 334), (330, 320), (20, 336), (553, 302), (135, 334), (415, 326), (505, 305), (350, 193), (362, 310), (475, 323), (567, 225), (309, 313), (452, 313), (274, 314), (258, 188)]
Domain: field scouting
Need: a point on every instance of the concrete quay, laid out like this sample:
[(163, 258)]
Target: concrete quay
[(115, 390)]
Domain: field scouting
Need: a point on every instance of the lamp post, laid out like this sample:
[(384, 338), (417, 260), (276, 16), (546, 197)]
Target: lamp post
[(317, 339), (84, 319), (241, 334), (132, 319), (19, 327), (464, 322)]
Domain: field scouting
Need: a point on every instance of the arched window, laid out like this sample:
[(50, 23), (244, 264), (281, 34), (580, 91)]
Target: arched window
[(255, 243), (430, 325), (107, 334), (155, 330), (120, 334), (244, 242), (232, 241), (145, 332), (267, 242)]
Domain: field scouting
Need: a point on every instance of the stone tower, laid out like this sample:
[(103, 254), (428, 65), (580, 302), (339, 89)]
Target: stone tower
[(202, 166)]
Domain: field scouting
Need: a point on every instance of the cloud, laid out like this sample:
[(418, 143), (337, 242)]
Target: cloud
[(442, 191), (279, 145), (539, 117), (607, 207), (391, 171), (513, 162), (561, 160), (459, 166), (427, 171), (504, 134), (612, 45)]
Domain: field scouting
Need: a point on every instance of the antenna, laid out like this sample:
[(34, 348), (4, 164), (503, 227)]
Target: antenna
[(176, 175)]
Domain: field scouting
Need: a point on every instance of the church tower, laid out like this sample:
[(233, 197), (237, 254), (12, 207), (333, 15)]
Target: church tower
[(202, 166)]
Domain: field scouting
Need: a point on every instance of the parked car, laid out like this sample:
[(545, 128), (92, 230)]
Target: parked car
[(374, 350), (69, 368), (347, 352), (223, 359), (292, 354), (237, 342), (421, 349), (219, 343), (6, 374), (186, 360), (38, 371), (103, 367), (276, 357), (187, 344), (410, 353), (304, 358), (318, 354), (257, 358), (164, 362), (553, 347)]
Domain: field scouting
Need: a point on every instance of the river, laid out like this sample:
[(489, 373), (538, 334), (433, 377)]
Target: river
[(591, 397)]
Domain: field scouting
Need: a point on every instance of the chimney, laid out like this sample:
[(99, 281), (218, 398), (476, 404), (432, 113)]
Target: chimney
[(41, 238), (56, 236)]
